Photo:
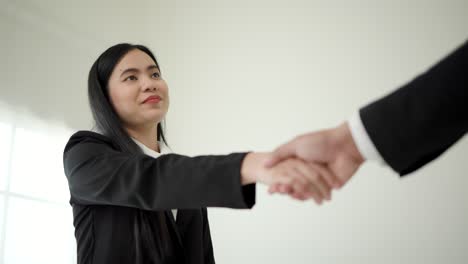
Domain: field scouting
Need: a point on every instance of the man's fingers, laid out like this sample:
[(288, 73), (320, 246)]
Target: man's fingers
[(304, 187), (330, 178), (316, 180), (323, 188)]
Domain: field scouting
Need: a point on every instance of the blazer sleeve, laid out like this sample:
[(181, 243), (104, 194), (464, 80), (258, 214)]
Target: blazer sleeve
[(99, 174), (418, 122)]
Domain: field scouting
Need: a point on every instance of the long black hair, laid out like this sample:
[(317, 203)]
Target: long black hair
[(105, 117)]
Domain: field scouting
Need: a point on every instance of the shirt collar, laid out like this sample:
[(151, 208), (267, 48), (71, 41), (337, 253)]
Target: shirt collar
[(163, 148)]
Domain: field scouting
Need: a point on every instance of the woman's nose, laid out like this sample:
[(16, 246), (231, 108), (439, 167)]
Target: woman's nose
[(149, 85)]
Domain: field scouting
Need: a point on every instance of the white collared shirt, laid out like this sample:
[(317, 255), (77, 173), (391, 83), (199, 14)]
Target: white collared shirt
[(362, 140), (164, 150)]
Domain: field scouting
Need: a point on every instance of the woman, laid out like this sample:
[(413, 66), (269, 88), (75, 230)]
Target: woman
[(122, 186)]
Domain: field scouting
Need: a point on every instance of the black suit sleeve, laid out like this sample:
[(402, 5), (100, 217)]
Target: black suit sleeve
[(416, 123), (99, 174)]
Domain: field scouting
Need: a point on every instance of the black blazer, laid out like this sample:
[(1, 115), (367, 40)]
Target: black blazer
[(121, 201), (416, 123)]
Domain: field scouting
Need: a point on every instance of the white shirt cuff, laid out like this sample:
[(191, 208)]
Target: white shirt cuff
[(363, 142)]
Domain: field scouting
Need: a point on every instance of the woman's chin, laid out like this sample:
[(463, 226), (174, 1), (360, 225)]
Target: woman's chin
[(155, 118), (154, 114)]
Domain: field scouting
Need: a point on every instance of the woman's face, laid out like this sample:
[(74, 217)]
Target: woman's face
[(137, 90)]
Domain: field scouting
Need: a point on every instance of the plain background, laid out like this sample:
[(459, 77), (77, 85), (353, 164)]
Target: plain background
[(249, 75)]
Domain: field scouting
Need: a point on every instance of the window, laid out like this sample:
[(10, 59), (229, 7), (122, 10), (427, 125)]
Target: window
[(5, 152), (36, 220)]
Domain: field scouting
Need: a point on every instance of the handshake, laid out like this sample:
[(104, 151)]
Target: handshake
[(309, 166)]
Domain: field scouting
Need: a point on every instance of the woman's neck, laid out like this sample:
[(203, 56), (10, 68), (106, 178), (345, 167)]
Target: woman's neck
[(147, 135)]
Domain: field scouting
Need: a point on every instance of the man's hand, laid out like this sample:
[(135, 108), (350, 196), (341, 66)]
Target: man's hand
[(296, 177), (332, 148)]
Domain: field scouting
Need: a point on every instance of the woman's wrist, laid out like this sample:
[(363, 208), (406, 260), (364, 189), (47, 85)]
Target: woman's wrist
[(252, 167)]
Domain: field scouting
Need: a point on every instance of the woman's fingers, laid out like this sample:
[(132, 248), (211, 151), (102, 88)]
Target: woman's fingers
[(285, 189), (273, 188)]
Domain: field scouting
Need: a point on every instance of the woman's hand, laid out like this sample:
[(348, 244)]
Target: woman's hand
[(295, 177)]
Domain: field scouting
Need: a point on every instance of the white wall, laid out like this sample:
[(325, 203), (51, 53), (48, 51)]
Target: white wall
[(248, 75)]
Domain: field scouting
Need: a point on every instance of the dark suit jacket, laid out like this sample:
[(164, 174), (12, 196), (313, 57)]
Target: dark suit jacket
[(416, 123), (121, 201)]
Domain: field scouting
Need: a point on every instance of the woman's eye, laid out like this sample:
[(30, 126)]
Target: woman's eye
[(130, 78), (156, 75)]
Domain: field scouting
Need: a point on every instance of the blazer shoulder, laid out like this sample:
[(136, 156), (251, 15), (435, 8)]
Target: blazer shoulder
[(86, 136)]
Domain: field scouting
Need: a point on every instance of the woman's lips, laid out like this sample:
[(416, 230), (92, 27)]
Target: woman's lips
[(152, 100)]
